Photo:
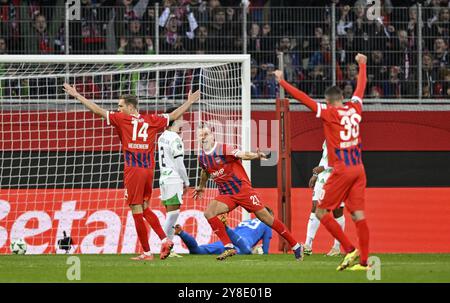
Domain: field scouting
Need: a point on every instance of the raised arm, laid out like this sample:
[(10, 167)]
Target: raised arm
[(362, 77), (72, 91), (295, 92), (192, 98)]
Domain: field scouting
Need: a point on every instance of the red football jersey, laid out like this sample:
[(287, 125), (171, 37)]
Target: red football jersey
[(138, 136), (225, 168), (342, 131), (341, 125)]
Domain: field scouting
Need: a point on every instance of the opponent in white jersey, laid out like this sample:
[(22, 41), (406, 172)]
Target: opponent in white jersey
[(317, 181), (173, 180)]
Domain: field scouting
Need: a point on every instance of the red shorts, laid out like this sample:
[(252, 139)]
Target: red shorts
[(344, 184), (247, 197), (138, 184)]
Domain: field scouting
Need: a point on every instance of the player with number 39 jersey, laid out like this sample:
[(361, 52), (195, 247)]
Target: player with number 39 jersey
[(347, 182)]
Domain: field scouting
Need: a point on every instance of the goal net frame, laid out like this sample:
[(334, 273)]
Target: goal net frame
[(245, 82)]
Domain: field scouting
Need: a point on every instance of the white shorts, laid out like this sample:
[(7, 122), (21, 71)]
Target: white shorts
[(168, 191), (318, 187)]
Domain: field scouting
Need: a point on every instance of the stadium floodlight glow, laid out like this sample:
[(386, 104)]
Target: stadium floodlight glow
[(62, 166)]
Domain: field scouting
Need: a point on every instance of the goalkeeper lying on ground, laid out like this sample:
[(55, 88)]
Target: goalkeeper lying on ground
[(244, 237)]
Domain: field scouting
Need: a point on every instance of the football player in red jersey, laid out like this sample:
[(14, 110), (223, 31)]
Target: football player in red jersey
[(137, 134), (224, 165), (347, 181)]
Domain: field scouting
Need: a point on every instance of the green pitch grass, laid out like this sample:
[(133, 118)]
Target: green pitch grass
[(204, 268)]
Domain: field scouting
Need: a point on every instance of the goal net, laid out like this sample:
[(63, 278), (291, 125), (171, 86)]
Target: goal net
[(62, 166)]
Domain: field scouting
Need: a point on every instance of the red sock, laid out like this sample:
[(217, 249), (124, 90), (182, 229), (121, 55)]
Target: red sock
[(363, 236), (335, 229), (153, 220), (141, 231), (280, 228), (218, 227)]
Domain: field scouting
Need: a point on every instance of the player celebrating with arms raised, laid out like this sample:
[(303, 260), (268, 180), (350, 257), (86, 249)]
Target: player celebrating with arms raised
[(137, 134), (225, 166), (348, 178)]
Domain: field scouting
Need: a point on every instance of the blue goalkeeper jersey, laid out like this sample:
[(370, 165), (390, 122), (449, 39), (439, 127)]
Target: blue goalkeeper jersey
[(254, 231)]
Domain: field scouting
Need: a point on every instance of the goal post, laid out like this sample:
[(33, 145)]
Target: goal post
[(62, 166)]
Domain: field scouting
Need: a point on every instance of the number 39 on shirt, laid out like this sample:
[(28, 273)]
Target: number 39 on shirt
[(351, 126)]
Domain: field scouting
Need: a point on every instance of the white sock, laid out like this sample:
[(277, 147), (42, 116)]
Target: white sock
[(313, 226), (295, 246), (148, 253), (341, 221), (171, 219)]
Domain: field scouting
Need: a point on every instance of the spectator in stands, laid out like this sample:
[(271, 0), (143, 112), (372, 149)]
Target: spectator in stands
[(345, 21), (393, 88), (200, 41), (220, 32), (317, 81), (10, 25), (323, 57), (173, 41), (402, 55), (441, 56), (148, 21), (379, 35), (441, 28), (315, 41), (269, 84), (135, 28), (290, 59), (206, 9), (412, 25), (185, 18), (352, 73), (92, 28), (125, 13), (137, 45), (429, 76), (266, 54), (361, 28), (346, 48), (348, 90), (255, 80), (431, 10), (254, 42), (42, 42), (377, 71)]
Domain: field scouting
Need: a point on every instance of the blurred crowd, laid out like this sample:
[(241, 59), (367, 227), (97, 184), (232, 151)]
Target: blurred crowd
[(302, 35)]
